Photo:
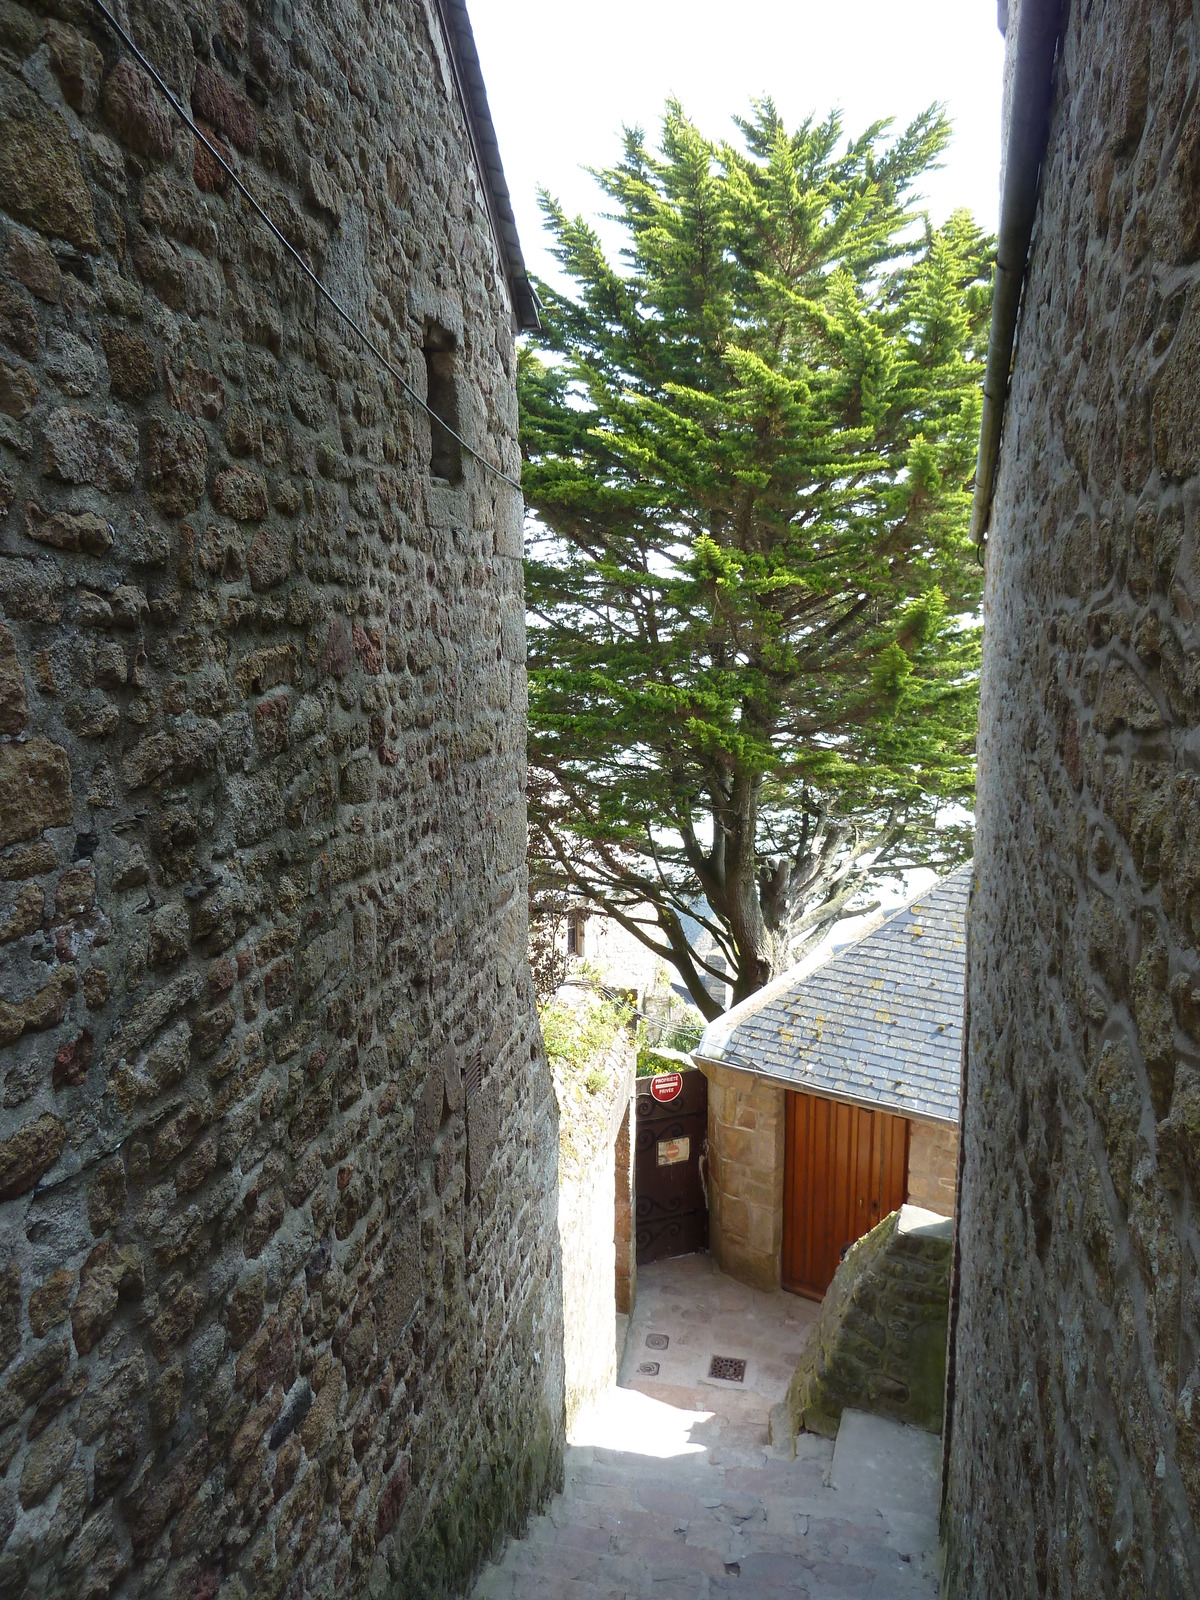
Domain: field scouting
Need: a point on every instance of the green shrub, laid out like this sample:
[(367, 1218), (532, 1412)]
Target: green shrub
[(651, 1060), (581, 1036), (686, 1036)]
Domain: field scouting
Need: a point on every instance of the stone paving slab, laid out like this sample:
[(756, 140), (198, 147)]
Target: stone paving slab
[(672, 1492)]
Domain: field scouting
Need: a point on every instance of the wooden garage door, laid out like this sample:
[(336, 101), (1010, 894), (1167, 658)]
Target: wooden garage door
[(845, 1168)]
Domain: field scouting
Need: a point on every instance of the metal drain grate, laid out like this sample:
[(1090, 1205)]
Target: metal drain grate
[(731, 1368), (657, 1341), (648, 1369)]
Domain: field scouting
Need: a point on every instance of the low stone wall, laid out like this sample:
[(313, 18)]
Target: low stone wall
[(880, 1342), (594, 1129), (933, 1166), (625, 1245), (745, 1160)]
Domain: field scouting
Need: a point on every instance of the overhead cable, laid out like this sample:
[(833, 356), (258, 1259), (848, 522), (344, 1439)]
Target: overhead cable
[(326, 294)]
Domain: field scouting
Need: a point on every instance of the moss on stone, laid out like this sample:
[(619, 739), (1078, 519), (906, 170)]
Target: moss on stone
[(487, 1499), (880, 1342)]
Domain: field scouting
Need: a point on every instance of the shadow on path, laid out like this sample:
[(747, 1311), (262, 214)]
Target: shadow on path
[(671, 1489)]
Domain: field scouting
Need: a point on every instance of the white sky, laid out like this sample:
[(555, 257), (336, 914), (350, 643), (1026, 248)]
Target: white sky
[(563, 77)]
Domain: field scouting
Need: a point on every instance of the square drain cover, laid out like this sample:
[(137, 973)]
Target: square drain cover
[(649, 1369), (657, 1341), (731, 1368)]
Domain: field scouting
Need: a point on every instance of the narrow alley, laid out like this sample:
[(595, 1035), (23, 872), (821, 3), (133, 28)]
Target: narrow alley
[(672, 1489)]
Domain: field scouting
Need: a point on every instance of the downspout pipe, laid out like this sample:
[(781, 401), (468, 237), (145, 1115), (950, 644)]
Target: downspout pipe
[(1038, 26)]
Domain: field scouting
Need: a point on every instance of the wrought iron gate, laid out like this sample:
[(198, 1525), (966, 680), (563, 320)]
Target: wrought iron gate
[(671, 1216)]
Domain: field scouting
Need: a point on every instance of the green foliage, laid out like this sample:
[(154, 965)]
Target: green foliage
[(653, 1041), (684, 1036), (578, 1038), (749, 452), (650, 1063)]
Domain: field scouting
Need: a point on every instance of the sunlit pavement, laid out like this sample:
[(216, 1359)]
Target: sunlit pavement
[(673, 1491)]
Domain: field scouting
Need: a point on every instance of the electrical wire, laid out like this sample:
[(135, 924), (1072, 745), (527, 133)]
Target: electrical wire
[(326, 294)]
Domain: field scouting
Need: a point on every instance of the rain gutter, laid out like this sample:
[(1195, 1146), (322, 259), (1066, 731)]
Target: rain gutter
[(1038, 24), (468, 77)]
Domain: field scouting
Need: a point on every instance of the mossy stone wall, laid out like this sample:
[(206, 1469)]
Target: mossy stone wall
[(880, 1342)]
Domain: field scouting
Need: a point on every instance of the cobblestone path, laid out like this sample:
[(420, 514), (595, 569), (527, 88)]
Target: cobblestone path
[(672, 1491)]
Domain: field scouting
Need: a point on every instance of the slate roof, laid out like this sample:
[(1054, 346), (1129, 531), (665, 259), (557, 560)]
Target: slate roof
[(879, 1023)]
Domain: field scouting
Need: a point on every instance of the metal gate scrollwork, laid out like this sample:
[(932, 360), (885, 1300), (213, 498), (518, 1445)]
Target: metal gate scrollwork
[(671, 1211)]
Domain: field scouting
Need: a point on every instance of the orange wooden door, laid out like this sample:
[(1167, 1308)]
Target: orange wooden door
[(844, 1169)]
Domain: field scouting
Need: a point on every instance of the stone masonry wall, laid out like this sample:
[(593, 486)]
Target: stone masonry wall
[(279, 1282), (745, 1174), (879, 1343), (589, 1206), (626, 1244), (932, 1166), (1075, 1451)]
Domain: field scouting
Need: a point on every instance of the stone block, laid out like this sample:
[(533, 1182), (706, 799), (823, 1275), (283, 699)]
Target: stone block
[(132, 368), (41, 180), (45, 1465), (763, 1231), (109, 1274), (18, 391), (35, 789), (135, 109), (32, 263), (269, 559), (176, 458), (240, 493), (50, 1301), (30, 1152), (217, 103), (85, 531), (77, 64), (80, 447), (14, 712), (735, 1218)]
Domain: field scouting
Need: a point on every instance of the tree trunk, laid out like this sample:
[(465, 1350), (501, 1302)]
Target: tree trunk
[(742, 909)]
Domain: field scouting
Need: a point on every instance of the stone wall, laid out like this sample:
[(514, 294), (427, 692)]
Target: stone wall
[(745, 1174), (626, 1245), (1075, 1450), (593, 1172), (933, 1166), (879, 1343), (279, 1291)]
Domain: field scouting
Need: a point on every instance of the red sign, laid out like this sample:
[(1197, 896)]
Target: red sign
[(666, 1085)]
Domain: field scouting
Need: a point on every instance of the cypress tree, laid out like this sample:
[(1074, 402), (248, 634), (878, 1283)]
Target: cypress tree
[(747, 448)]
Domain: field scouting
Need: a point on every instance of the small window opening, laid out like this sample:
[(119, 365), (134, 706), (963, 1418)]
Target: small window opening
[(441, 394), (575, 940)]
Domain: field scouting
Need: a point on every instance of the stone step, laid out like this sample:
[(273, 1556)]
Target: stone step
[(761, 1524)]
